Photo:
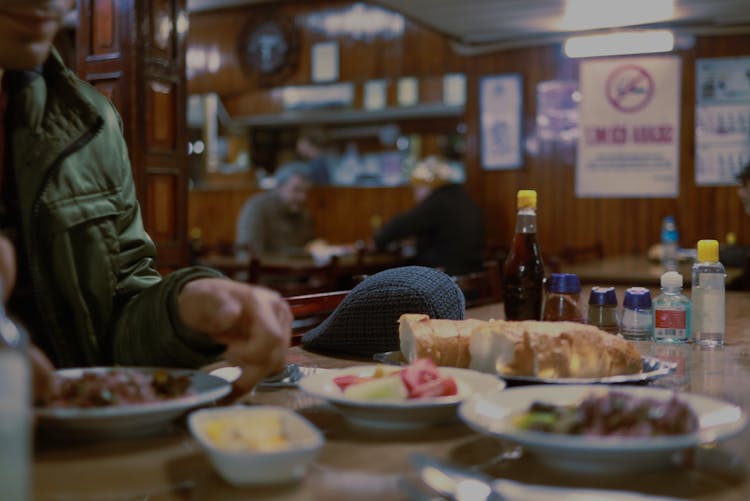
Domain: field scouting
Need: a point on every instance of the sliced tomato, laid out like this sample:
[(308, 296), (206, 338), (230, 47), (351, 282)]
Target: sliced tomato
[(345, 381), (422, 380)]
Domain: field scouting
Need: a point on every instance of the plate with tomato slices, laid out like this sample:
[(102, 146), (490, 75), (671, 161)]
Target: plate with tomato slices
[(413, 396)]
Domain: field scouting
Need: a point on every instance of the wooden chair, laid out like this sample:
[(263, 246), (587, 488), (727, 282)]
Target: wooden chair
[(575, 254), (295, 278), (482, 287), (310, 310)]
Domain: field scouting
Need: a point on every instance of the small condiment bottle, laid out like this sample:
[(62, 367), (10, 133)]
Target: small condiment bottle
[(563, 299), (603, 309), (636, 323), (671, 311)]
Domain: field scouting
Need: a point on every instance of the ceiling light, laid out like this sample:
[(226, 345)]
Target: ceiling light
[(626, 42)]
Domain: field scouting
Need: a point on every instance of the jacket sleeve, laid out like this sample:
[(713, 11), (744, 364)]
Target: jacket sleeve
[(415, 222), (251, 233), (145, 325)]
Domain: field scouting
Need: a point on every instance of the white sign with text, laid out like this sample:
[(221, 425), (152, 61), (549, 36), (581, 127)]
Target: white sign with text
[(630, 128)]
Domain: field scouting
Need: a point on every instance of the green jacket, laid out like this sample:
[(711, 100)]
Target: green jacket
[(91, 262)]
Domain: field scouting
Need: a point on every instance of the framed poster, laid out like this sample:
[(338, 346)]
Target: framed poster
[(629, 139), (500, 107), (722, 119)]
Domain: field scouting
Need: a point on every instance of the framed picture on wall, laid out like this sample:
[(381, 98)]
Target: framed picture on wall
[(500, 105)]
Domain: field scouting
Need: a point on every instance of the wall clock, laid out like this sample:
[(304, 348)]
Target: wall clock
[(269, 48)]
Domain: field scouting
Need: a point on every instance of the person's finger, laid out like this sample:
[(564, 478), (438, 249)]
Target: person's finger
[(43, 374), (7, 266)]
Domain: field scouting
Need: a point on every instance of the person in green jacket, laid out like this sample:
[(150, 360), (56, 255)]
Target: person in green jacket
[(85, 282)]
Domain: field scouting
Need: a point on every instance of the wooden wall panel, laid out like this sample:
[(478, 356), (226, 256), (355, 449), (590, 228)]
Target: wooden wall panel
[(342, 215), (134, 53), (623, 225)]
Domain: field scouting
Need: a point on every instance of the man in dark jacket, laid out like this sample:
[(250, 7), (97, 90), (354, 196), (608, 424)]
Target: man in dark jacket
[(86, 286), (446, 222)]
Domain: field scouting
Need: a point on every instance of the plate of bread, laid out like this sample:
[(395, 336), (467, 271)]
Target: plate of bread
[(526, 352)]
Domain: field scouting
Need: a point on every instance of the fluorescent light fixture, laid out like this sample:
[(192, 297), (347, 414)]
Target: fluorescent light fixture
[(626, 42), (597, 14)]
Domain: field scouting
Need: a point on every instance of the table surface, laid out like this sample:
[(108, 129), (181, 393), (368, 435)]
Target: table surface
[(368, 464), (631, 270)]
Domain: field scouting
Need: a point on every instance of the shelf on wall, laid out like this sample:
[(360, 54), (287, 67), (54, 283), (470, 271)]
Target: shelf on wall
[(349, 116)]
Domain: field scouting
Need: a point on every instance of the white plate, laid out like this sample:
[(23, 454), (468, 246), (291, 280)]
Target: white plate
[(406, 414), (493, 414), (132, 419), (653, 368)]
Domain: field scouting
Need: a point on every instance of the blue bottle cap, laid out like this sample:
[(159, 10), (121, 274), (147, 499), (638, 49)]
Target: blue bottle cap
[(637, 298), (564, 283), (603, 296)]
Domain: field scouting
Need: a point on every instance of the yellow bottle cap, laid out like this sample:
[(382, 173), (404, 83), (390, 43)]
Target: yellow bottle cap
[(708, 250), (526, 199)]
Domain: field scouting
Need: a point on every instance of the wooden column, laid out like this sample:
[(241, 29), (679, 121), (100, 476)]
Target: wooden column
[(133, 51)]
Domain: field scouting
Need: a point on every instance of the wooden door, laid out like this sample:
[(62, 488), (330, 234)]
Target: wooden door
[(133, 51)]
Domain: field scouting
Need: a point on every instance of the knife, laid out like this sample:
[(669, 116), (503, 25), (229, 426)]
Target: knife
[(460, 484)]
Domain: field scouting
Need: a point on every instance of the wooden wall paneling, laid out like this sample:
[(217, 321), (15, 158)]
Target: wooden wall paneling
[(132, 51)]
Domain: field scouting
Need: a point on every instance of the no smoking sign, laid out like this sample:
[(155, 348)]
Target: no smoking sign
[(629, 88)]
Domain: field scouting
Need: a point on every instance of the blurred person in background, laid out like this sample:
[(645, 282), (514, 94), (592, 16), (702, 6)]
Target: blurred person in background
[(311, 147), (277, 222), (446, 222), (731, 253), (76, 263)]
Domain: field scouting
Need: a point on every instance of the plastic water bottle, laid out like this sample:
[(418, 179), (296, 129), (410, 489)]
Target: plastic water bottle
[(709, 304), (636, 323), (671, 311), (15, 411), (669, 243)]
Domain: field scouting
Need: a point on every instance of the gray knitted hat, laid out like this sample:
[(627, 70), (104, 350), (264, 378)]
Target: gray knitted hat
[(366, 321)]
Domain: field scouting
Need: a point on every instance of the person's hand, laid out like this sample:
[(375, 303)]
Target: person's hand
[(253, 322), (42, 370)]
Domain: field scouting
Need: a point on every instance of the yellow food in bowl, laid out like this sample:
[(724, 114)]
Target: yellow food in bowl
[(261, 432)]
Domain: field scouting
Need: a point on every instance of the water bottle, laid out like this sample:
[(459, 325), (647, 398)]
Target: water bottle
[(603, 309), (709, 306), (671, 311), (636, 323), (523, 270), (669, 243), (15, 410)]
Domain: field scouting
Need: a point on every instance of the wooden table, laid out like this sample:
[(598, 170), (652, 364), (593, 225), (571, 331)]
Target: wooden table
[(630, 270), (367, 465)]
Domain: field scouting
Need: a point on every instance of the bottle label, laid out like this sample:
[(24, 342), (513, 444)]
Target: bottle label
[(670, 324), (712, 312), (670, 319)]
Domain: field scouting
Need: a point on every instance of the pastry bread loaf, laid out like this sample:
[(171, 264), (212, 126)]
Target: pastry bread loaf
[(525, 348), (446, 342)]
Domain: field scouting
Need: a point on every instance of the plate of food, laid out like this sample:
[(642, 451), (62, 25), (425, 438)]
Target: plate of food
[(390, 397), (602, 429), (526, 352), (652, 368), (124, 401)]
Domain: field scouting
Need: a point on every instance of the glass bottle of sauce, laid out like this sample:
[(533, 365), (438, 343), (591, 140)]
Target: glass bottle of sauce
[(564, 298), (523, 270)]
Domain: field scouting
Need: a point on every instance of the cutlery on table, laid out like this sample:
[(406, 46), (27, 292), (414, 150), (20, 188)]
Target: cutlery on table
[(461, 484)]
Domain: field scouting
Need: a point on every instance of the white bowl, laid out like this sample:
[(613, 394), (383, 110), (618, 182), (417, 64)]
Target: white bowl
[(253, 467)]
